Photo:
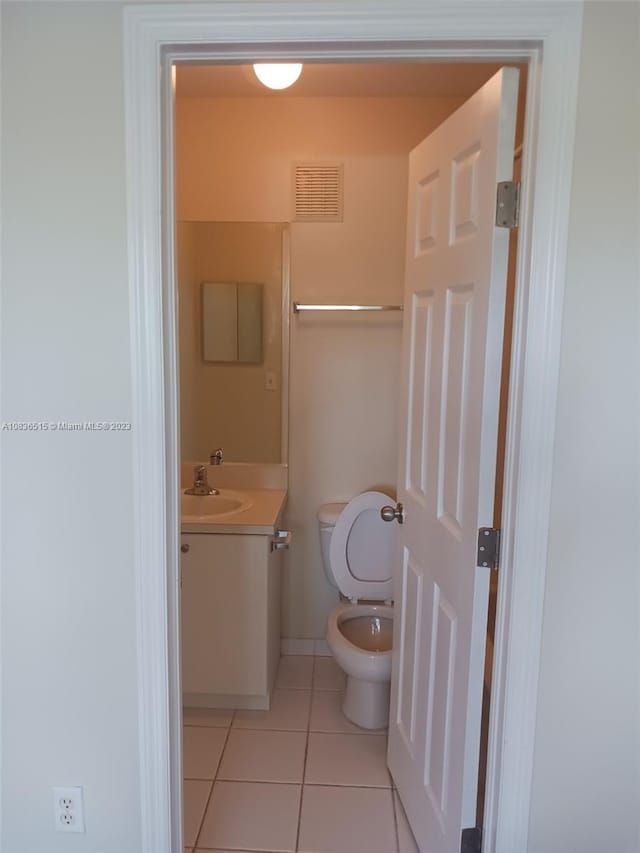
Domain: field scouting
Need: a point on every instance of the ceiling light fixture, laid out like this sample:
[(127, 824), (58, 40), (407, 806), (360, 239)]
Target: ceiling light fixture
[(279, 75)]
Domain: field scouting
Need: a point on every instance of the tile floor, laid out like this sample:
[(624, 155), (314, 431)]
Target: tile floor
[(299, 778)]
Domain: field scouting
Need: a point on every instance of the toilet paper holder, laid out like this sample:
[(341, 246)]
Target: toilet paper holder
[(281, 540)]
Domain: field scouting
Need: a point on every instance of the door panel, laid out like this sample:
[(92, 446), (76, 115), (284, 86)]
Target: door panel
[(411, 631), (456, 265), (418, 477), (455, 394)]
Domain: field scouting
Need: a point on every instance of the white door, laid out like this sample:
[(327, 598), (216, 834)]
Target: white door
[(456, 266)]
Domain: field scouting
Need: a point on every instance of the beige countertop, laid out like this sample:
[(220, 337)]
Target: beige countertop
[(261, 518)]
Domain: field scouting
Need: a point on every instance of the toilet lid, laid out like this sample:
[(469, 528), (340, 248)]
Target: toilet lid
[(361, 551)]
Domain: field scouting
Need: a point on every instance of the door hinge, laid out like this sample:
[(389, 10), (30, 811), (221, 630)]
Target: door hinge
[(508, 204), (489, 547), (471, 841)]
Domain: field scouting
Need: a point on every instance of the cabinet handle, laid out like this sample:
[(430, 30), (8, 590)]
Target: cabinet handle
[(282, 541), (184, 548)]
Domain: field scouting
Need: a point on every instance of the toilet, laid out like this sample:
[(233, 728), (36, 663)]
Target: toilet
[(357, 553)]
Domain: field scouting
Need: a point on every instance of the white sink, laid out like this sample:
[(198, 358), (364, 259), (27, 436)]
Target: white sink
[(204, 508)]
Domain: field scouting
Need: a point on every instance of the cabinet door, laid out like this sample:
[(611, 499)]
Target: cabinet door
[(274, 562), (224, 614)]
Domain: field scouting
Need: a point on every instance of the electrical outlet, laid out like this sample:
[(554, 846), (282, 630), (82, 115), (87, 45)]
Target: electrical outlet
[(68, 811)]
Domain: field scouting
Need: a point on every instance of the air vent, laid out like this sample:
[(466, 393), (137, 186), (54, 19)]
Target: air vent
[(318, 192)]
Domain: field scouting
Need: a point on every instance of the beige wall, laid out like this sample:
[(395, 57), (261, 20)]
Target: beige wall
[(234, 162), (587, 761), (228, 405)]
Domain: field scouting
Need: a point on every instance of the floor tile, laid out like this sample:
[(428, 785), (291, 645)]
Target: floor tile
[(265, 756), (201, 751), (195, 794), (252, 816), (327, 716), (346, 820), (219, 718), (295, 672), (341, 759), (406, 841), (327, 675), (289, 712)]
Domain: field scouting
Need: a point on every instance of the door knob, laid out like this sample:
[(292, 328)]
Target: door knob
[(184, 548), (390, 513)]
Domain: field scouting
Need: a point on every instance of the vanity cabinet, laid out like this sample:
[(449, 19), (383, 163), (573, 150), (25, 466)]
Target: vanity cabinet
[(230, 619)]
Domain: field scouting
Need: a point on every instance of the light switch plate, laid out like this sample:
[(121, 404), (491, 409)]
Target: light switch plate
[(270, 381)]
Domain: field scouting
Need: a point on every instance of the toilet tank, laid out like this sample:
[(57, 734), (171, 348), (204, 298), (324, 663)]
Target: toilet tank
[(327, 517)]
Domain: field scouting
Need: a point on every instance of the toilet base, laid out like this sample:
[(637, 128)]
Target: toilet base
[(366, 703)]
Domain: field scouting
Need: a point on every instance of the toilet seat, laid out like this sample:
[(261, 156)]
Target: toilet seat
[(361, 555)]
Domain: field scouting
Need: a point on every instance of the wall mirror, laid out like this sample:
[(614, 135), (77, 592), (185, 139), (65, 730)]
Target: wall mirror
[(233, 290), (232, 321)]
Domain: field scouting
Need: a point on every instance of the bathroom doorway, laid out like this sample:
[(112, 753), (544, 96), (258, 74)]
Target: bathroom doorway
[(544, 159), (358, 122)]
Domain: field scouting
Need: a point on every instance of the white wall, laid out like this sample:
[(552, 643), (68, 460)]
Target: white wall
[(234, 162), (586, 787), (67, 569), (69, 714)]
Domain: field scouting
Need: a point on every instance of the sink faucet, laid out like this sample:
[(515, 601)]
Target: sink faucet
[(217, 457), (200, 483)]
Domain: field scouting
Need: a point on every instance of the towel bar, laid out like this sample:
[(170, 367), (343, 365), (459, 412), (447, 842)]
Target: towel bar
[(298, 307)]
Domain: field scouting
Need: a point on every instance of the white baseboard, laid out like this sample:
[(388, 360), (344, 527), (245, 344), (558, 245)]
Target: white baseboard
[(289, 646), (226, 701), (292, 646), (321, 649)]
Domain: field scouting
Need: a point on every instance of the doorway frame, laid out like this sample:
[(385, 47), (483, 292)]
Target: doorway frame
[(547, 35)]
